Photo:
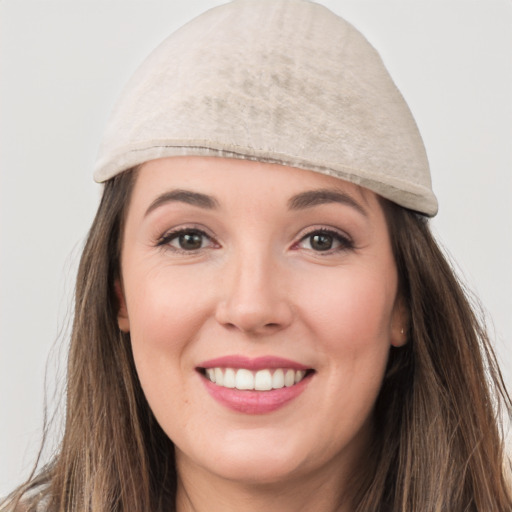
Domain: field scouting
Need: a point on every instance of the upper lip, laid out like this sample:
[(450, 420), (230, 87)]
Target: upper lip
[(255, 364)]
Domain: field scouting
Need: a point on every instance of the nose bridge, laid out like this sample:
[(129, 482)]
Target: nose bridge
[(253, 298), (253, 279)]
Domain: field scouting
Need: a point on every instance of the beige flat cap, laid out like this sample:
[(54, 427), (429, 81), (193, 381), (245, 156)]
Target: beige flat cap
[(281, 81)]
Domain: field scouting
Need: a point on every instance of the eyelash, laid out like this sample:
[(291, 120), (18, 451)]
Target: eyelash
[(169, 237), (345, 243)]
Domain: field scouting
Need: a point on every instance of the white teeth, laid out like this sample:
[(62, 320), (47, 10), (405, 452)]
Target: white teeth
[(262, 380), (289, 378), (219, 376), (229, 378), (278, 379), (244, 379)]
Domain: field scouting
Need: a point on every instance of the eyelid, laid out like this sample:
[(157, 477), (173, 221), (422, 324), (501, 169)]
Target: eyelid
[(170, 234), (346, 241)]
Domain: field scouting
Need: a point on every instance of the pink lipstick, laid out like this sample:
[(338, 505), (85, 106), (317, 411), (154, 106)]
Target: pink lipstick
[(254, 386)]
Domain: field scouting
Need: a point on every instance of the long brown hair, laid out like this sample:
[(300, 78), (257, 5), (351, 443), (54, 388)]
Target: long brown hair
[(439, 444), (437, 447)]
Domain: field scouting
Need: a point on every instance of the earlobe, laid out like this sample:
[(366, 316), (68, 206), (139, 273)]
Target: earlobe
[(399, 325), (399, 339), (122, 313)]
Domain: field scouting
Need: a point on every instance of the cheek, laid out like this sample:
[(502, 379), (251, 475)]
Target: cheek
[(164, 309), (355, 309), (164, 317), (350, 320)]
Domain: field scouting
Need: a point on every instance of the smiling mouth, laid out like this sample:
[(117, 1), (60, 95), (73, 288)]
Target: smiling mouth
[(260, 380)]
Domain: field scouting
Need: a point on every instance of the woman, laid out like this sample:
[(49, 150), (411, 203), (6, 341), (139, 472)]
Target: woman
[(263, 319)]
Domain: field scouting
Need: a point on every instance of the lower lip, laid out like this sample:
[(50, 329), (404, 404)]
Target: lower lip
[(255, 402)]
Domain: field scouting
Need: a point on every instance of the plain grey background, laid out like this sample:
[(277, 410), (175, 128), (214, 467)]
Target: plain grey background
[(63, 64)]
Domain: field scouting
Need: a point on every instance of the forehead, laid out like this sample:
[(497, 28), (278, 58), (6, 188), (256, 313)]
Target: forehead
[(229, 178)]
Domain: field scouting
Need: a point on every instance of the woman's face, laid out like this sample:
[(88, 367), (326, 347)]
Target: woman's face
[(262, 303)]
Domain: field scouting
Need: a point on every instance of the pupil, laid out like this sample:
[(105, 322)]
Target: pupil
[(321, 242), (190, 241)]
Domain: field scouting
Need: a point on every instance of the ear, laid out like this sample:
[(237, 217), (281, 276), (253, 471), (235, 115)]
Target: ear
[(122, 313), (399, 324)]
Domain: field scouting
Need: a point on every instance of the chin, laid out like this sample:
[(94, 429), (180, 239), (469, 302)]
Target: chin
[(259, 469)]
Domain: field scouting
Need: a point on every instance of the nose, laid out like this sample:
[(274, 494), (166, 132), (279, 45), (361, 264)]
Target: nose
[(254, 297)]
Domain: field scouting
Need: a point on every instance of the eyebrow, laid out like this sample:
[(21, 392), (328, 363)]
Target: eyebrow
[(184, 196), (312, 198)]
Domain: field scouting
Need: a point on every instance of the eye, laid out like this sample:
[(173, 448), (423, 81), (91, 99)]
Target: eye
[(186, 240), (324, 240)]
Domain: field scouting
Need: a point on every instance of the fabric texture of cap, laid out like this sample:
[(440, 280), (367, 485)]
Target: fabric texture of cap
[(280, 81)]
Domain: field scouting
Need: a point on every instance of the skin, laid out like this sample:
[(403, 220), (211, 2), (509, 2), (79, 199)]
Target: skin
[(259, 286)]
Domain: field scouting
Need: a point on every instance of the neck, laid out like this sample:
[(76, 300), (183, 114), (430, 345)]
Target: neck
[(330, 486), (329, 489), (227, 496)]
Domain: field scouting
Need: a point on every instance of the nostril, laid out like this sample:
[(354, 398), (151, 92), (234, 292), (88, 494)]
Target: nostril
[(249, 313)]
